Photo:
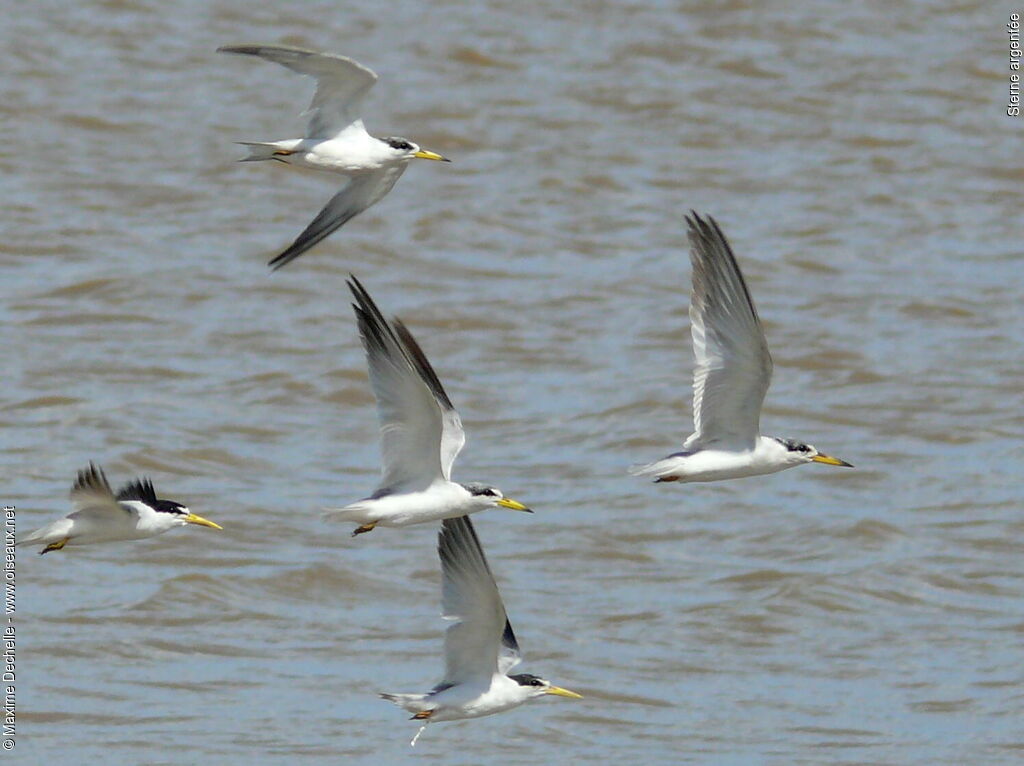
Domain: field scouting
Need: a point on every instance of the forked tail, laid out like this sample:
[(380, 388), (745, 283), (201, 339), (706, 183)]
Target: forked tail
[(411, 702), (645, 469), (414, 704), (658, 471), (354, 513), (36, 538), (258, 150)]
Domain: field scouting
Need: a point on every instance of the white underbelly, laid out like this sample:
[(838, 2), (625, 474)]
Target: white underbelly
[(712, 465)]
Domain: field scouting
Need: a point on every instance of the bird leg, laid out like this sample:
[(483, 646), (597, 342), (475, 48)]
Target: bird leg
[(55, 546), (413, 743), (423, 714), (364, 529)]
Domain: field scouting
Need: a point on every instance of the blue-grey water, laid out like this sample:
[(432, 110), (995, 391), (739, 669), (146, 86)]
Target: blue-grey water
[(860, 158)]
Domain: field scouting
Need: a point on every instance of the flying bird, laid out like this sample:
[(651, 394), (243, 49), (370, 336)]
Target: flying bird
[(420, 430), (100, 516), (479, 647), (733, 372), (336, 140)]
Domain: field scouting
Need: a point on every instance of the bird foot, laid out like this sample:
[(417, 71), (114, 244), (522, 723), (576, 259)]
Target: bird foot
[(423, 714), (55, 546), (660, 479), (364, 529)]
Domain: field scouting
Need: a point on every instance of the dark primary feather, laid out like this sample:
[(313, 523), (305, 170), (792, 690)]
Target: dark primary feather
[(706, 236), (358, 194), (141, 490), (373, 327), (380, 334), (330, 219), (508, 639), (92, 479), (422, 365)]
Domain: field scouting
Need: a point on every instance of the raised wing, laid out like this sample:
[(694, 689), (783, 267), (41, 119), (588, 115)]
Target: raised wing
[(453, 437), (341, 83), (91, 492), (481, 634), (416, 416), (139, 489), (361, 192), (734, 367)]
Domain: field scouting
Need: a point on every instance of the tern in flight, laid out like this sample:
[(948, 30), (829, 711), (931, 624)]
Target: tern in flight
[(336, 140), (100, 516), (421, 433), (731, 378), (479, 647)]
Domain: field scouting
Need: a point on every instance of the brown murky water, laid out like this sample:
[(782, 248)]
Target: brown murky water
[(861, 161)]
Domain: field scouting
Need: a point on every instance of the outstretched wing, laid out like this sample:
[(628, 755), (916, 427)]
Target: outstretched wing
[(453, 437), (420, 429), (734, 367), (341, 83), (480, 643), (139, 489), (91, 492), (357, 195)]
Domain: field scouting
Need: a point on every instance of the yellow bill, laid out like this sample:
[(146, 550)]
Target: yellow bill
[(508, 502), (193, 519), (426, 154), (560, 692), (829, 460)]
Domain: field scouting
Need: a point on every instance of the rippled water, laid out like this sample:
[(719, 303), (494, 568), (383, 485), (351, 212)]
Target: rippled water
[(858, 156)]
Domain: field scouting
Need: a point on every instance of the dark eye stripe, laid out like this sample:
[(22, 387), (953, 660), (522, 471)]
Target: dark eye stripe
[(794, 446)]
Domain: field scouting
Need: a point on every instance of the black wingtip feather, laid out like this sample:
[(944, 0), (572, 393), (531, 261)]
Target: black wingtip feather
[(508, 638), (327, 222), (373, 327), (422, 364), (377, 333), (93, 478), (706, 236), (141, 490)]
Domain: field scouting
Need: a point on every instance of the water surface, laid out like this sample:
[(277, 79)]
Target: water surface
[(859, 158)]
